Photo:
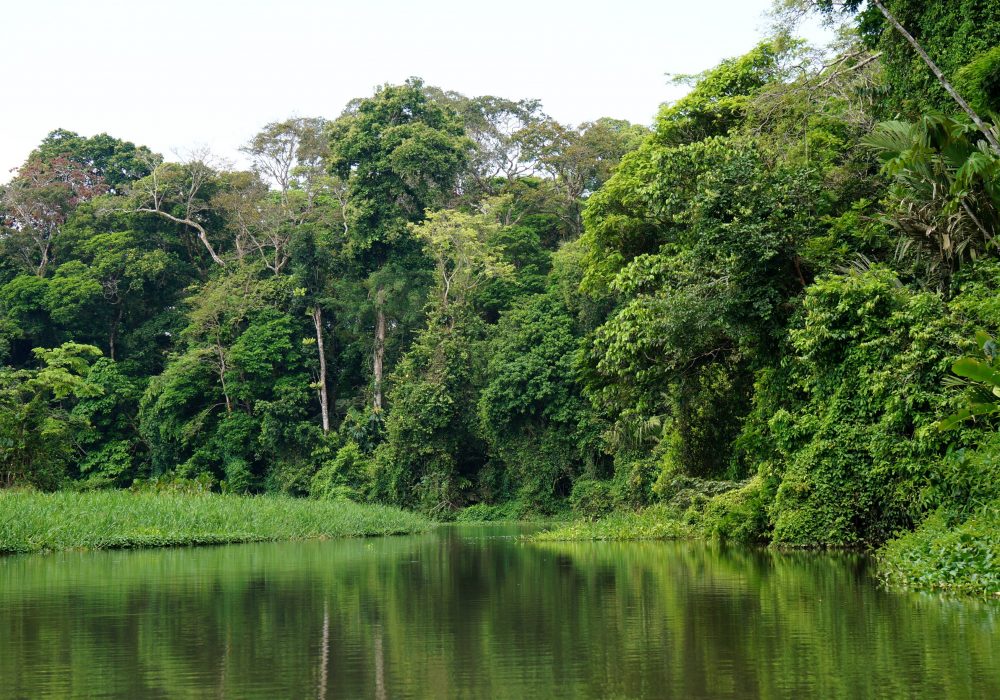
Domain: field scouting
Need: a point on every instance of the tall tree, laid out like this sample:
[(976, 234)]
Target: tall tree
[(400, 155), (579, 160), (117, 163)]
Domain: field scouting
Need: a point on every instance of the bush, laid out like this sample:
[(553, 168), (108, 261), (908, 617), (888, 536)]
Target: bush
[(486, 512), (239, 478), (591, 498), (681, 492), (738, 514), (979, 81), (939, 557), (345, 476)]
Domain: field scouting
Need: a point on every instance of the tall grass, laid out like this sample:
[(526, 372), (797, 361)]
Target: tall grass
[(653, 523), (33, 522)]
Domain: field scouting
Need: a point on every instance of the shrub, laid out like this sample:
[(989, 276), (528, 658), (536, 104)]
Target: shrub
[(592, 498), (979, 81), (938, 557), (738, 514), (344, 476), (486, 512)]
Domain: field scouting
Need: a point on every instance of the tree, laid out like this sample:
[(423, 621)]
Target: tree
[(38, 433), (432, 451), (232, 402), (504, 133), (915, 6), (579, 160), (946, 191), (540, 429), (115, 162), (463, 259), (181, 193), (37, 203), (312, 262), (400, 155), (289, 155), (721, 96)]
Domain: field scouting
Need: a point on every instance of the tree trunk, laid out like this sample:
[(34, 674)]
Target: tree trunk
[(113, 335), (324, 406), (991, 137), (222, 377), (379, 353), (44, 262)]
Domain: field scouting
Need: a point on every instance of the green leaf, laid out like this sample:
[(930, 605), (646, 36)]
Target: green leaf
[(976, 370)]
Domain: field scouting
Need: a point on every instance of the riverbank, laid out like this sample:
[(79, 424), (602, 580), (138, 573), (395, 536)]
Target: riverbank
[(35, 522), (938, 557)]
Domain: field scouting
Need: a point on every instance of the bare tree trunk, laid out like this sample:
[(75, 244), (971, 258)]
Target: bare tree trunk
[(44, 263), (976, 119), (222, 377), (379, 354), (324, 406)]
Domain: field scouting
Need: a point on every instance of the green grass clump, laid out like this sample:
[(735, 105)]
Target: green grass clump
[(962, 559), (653, 523), (487, 513), (34, 522)]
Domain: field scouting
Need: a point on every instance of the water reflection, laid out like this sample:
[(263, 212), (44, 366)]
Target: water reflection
[(470, 613)]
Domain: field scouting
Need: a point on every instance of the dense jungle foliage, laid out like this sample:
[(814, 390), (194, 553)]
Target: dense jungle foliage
[(749, 311)]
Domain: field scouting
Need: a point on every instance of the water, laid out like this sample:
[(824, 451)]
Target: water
[(472, 612)]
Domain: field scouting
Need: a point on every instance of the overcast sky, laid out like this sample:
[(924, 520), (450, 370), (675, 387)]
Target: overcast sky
[(187, 73)]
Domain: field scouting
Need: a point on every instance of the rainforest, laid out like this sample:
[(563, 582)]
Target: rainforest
[(768, 318)]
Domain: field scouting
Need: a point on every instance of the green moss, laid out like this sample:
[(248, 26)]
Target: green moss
[(33, 522)]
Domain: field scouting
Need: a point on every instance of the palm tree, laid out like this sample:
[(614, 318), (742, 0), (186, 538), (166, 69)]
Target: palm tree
[(946, 191)]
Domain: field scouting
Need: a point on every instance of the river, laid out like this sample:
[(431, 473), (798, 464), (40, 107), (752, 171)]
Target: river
[(477, 612)]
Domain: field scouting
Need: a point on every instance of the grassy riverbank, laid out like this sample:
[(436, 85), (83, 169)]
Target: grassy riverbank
[(961, 559), (653, 523), (33, 522)]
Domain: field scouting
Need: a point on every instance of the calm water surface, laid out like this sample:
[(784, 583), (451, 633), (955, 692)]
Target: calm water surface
[(473, 612)]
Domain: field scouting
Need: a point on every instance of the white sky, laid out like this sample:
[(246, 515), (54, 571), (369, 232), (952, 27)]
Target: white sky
[(185, 73)]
